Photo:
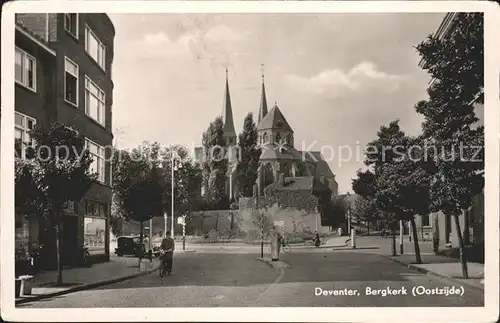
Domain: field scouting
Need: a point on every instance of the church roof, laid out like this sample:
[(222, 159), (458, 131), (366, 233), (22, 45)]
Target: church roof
[(274, 119), (227, 113), (302, 183), (322, 166), (263, 102), (274, 151)]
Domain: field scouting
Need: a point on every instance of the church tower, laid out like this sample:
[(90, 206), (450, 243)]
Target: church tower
[(227, 117), (263, 102)]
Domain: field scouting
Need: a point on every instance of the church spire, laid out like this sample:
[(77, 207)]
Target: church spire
[(227, 116), (263, 100)]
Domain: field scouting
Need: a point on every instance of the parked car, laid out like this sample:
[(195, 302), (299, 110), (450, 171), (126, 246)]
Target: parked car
[(129, 245)]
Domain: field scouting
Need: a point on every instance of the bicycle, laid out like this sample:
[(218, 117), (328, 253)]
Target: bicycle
[(85, 257), (286, 247), (163, 264)]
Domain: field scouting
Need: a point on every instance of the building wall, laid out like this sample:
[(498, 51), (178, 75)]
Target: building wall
[(446, 225), (294, 220), (50, 104)]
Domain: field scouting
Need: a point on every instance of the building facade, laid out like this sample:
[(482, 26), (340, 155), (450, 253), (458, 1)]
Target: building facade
[(64, 74)]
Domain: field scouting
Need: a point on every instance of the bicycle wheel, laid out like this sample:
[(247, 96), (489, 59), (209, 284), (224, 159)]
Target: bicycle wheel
[(161, 270)]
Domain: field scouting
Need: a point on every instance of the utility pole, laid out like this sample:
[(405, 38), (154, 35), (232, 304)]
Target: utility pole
[(151, 234), (172, 193), (165, 222), (401, 236), (184, 232), (262, 234)]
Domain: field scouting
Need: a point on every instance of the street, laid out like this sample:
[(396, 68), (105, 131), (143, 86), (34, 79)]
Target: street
[(228, 279)]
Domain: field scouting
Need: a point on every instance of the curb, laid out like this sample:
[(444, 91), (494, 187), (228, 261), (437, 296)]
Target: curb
[(85, 287), (432, 273)]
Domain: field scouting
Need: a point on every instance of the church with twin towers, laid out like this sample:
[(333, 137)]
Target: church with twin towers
[(280, 161)]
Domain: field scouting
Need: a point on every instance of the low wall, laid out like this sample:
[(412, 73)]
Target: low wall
[(293, 220)]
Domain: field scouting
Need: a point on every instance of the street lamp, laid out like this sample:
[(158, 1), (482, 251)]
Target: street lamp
[(174, 166)]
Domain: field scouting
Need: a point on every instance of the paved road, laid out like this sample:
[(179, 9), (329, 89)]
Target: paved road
[(231, 279)]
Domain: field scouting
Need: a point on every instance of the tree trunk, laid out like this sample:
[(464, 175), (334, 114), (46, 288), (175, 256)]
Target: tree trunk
[(418, 258), (393, 243), (141, 236), (58, 252), (463, 261), (466, 214), (435, 233)]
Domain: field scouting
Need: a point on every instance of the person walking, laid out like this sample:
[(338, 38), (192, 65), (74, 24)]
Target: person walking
[(168, 247)]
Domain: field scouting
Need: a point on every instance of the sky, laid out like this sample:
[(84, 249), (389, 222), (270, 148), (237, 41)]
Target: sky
[(336, 77)]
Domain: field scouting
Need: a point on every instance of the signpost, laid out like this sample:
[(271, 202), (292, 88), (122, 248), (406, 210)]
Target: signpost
[(182, 221)]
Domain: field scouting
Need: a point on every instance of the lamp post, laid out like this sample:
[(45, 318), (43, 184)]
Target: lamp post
[(173, 168)]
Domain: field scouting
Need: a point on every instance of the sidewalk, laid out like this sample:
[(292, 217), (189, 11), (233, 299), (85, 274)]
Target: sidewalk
[(437, 265), (76, 279), (445, 267)]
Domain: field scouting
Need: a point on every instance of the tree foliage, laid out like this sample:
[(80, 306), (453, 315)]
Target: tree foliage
[(365, 209), (215, 165), (295, 199), (249, 159), (336, 211), (56, 172), (400, 178), (456, 63)]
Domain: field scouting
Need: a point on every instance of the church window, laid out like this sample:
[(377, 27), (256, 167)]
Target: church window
[(278, 138), (266, 138)]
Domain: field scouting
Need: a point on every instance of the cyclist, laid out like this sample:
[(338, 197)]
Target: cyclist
[(167, 248)]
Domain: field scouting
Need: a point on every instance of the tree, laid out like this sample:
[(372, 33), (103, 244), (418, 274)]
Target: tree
[(138, 184), (249, 159), (365, 209), (456, 63), (115, 219), (403, 187), (215, 165), (400, 180), (336, 211), (56, 172)]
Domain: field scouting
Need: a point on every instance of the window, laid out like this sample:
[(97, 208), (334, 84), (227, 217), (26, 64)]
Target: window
[(95, 209), (71, 82), (278, 138), (95, 48), (97, 153), (25, 69), (266, 139), (23, 126), (95, 103), (95, 226), (71, 24), (425, 220)]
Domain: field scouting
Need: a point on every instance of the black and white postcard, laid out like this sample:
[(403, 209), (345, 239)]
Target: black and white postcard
[(286, 161)]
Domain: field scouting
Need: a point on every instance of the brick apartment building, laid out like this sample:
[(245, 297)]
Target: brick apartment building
[(472, 223), (63, 74)]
